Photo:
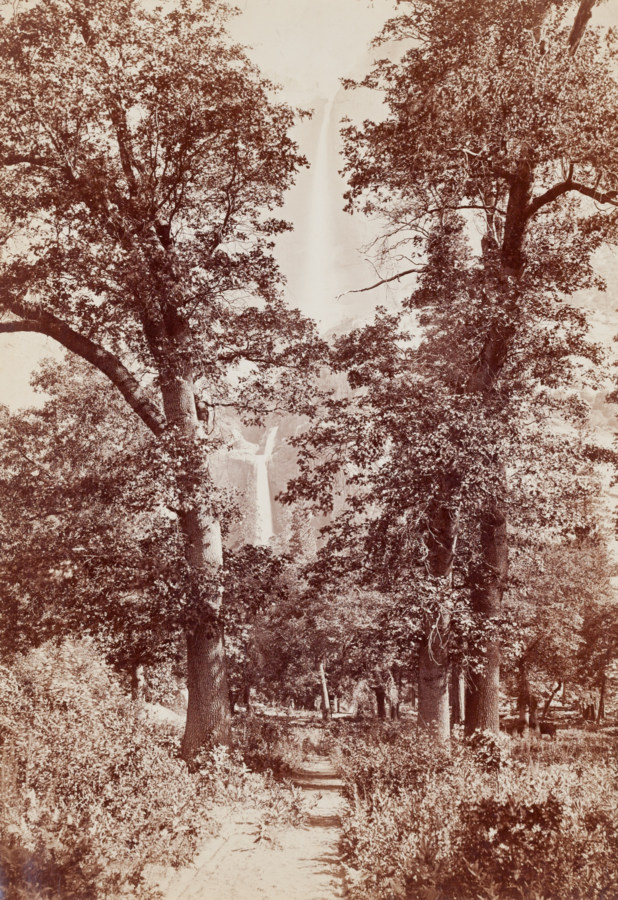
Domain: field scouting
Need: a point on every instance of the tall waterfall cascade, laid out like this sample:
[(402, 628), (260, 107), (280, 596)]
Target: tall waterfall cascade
[(264, 505), (320, 237)]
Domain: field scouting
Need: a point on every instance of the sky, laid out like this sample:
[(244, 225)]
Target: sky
[(305, 46)]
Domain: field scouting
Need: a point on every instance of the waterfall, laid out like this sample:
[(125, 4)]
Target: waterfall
[(264, 508), (320, 235)]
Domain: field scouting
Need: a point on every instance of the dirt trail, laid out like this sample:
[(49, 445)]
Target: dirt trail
[(298, 864)]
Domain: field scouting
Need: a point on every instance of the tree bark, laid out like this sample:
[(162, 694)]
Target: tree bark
[(527, 701), (208, 708), (458, 695), (483, 693), (326, 711), (433, 680), (380, 693), (433, 665)]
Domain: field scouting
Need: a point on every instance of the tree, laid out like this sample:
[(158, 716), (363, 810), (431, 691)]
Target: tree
[(141, 161), (489, 113), (559, 583), (89, 547)]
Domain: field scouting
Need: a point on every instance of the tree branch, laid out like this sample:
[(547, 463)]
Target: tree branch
[(549, 196), (600, 196), (582, 18), (19, 159), (569, 185), (43, 322), (382, 281)]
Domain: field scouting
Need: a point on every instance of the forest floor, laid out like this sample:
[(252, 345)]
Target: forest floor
[(244, 862)]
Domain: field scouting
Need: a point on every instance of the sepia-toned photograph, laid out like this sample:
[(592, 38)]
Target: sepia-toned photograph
[(308, 449)]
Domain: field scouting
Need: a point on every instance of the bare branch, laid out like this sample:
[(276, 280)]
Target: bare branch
[(567, 185), (610, 197), (382, 281), (29, 159)]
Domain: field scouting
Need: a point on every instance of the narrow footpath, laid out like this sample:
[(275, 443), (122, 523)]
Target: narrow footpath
[(293, 864)]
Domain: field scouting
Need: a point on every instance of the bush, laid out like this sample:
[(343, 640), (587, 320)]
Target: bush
[(268, 745), (92, 791), (469, 822)]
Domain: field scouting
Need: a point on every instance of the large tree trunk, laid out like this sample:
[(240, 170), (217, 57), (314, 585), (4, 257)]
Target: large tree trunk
[(326, 710), (380, 693), (483, 694), (433, 680), (527, 702), (208, 708), (433, 664)]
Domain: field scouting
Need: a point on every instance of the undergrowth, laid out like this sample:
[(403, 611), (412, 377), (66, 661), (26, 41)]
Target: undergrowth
[(93, 792), (471, 822)]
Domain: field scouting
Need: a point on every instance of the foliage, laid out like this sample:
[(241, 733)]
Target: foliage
[(491, 124), (268, 744), (560, 592), (89, 542), (143, 159), (450, 828), (92, 791), (144, 153)]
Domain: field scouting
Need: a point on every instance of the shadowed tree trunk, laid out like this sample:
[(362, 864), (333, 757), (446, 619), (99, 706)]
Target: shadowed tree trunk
[(483, 690), (380, 693), (527, 701), (433, 661), (548, 702), (326, 710), (458, 695), (394, 692), (601, 706)]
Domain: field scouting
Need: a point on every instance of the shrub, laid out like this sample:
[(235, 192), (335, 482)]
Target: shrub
[(266, 744), (468, 822), (92, 791)]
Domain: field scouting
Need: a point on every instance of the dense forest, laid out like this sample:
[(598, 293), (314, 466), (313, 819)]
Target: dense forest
[(231, 543)]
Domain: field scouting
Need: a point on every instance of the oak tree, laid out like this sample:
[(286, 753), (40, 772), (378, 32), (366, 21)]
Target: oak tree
[(504, 113), (142, 162)]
